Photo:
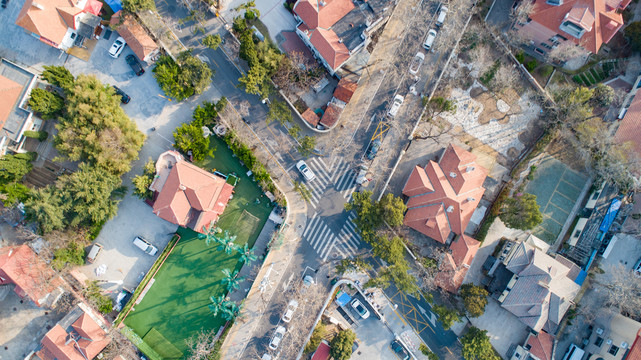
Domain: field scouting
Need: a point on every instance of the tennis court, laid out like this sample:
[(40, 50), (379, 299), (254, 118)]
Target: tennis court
[(176, 306), (557, 188)]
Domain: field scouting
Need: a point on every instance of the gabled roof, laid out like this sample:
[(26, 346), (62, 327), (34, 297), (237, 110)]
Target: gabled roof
[(322, 13), (454, 266), (345, 90), (311, 117), (10, 92), (28, 272), (635, 350), (328, 44), (464, 249), (45, 18), (540, 345), (599, 18), (629, 130), (191, 196), (137, 38), (441, 202), (331, 115)]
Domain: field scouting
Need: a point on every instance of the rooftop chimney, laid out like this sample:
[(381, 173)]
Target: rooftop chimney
[(450, 208), (182, 187), (453, 174), (37, 5), (471, 199), (469, 169)]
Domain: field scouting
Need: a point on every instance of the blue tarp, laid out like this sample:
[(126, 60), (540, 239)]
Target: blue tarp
[(115, 5), (581, 277), (343, 299), (610, 215)]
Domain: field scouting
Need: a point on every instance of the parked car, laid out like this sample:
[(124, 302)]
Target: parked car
[(122, 299), (400, 350), (360, 308), (124, 98), (145, 246), (307, 282), (278, 336), (442, 13), (373, 149), (134, 64), (355, 346), (291, 308), (637, 268), (308, 174), (431, 35), (396, 104), (117, 47), (93, 252), (416, 63)]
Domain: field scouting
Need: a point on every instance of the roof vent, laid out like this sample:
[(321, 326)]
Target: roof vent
[(182, 187), (469, 169), (624, 345), (599, 331), (37, 5), (450, 209), (340, 40), (322, 3), (10, 252), (609, 342), (471, 199), (453, 174)]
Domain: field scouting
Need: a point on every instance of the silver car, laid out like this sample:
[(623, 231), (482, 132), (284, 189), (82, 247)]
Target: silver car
[(145, 246), (305, 170), (278, 336), (291, 308), (398, 101), (117, 47)]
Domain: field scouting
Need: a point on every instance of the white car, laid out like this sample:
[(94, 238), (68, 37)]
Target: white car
[(117, 47), (145, 246), (291, 308), (431, 35), (278, 336), (305, 170), (441, 16), (398, 101), (360, 308), (416, 63)]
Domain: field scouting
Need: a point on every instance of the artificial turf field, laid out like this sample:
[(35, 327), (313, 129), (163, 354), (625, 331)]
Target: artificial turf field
[(175, 307)]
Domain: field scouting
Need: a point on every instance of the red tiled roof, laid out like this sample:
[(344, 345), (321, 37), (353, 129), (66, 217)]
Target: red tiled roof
[(630, 128), (599, 16), (322, 352), (331, 115), (330, 47), (311, 117), (45, 20), (635, 350), (9, 95), (137, 38), (93, 7), (28, 272), (464, 249), (322, 13), (345, 90), (90, 339), (455, 266), (440, 202), (541, 345), (192, 196)]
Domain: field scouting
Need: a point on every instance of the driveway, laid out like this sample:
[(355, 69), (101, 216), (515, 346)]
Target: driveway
[(272, 13), (503, 328)]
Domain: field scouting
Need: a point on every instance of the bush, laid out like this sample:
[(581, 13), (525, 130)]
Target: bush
[(546, 70), (143, 182), (190, 137), (531, 65), (40, 135), (98, 300), (184, 77), (341, 345), (72, 254), (317, 336), (212, 41), (520, 56)]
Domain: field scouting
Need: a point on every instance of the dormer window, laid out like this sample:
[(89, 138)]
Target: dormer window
[(554, 2), (572, 29)]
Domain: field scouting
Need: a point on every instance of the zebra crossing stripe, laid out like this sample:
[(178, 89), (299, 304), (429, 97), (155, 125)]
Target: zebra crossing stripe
[(345, 237), (349, 184), (351, 238), (340, 181), (316, 238), (313, 221), (312, 234), (323, 162), (319, 169), (348, 194), (336, 170), (325, 244)]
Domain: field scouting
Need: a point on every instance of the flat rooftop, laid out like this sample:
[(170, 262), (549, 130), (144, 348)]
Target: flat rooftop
[(18, 116)]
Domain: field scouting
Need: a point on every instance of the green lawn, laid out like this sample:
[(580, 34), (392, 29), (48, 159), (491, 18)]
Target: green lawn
[(175, 307)]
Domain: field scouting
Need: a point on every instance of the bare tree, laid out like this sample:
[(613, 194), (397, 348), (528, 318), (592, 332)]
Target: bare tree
[(622, 289), (565, 51), (435, 130), (483, 57), (506, 77), (119, 345), (521, 13), (201, 345)]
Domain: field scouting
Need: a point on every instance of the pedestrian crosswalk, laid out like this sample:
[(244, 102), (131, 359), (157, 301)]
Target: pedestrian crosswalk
[(338, 174), (325, 242)]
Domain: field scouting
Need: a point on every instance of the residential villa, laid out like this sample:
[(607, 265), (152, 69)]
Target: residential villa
[(60, 23), (29, 275), (15, 118), (534, 286), (456, 263), (537, 346), (187, 195), (442, 196), (612, 338), (335, 30), (80, 335), (588, 23), (136, 36)]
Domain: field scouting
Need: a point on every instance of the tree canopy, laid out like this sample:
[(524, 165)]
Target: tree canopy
[(474, 299), (341, 345), (307, 145), (476, 345), (184, 77), (279, 110), (190, 137), (143, 181), (44, 206), (58, 76), (14, 167), (521, 212), (371, 213), (134, 6), (46, 104), (447, 317), (212, 41), (95, 129), (633, 33), (392, 210)]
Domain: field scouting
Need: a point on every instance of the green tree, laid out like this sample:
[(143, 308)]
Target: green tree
[(474, 298), (446, 317), (436, 106), (294, 131), (184, 77), (13, 193), (72, 254), (633, 33), (426, 351), (392, 251), (367, 219), (231, 281), (206, 113), (254, 81), (477, 346), (95, 129), (317, 336), (194, 73), (14, 167), (217, 304), (279, 110), (572, 106), (399, 275), (135, 6), (341, 345), (307, 145), (102, 302), (46, 104), (392, 209), (521, 212), (603, 95), (58, 76), (212, 41), (190, 137), (143, 181), (89, 195), (44, 206)]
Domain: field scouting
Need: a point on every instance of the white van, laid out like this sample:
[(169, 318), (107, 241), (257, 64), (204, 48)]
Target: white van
[(93, 252), (442, 13), (574, 353), (431, 35), (145, 246)]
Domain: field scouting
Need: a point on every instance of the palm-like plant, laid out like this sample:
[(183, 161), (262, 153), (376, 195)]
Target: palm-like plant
[(246, 254), (231, 280), (217, 305), (230, 311), (227, 243), (211, 234)]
